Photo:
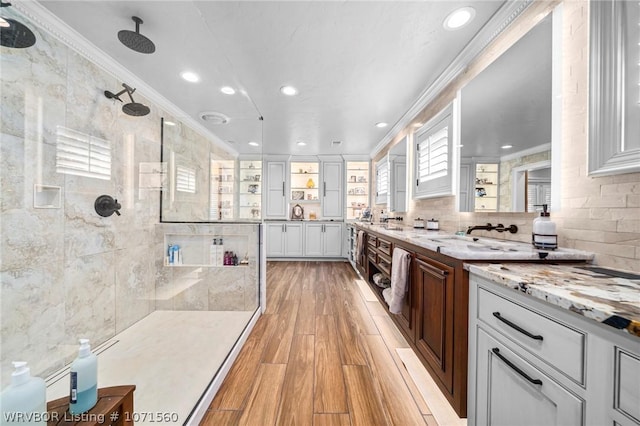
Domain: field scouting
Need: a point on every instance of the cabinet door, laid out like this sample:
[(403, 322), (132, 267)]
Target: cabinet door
[(332, 236), (274, 235), (506, 396), (293, 239), (276, 202), (332, 184), (434, 320), (313, 239)]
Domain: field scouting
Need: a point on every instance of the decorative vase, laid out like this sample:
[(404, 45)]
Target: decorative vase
[(310, 183)]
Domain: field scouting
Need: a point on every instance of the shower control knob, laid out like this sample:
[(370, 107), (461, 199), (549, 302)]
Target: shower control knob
[(106, 205)]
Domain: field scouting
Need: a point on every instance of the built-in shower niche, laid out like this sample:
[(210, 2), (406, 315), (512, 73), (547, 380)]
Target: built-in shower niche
[(200, 250), (47, 197)]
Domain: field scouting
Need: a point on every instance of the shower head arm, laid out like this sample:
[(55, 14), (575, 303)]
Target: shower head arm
[(111, 95), (129, 91)]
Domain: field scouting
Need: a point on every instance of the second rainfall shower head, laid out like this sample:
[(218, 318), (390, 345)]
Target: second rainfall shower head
[(133, 108)]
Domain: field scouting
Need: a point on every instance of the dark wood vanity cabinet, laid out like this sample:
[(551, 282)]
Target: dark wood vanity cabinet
[(434, 308), (434, 315)]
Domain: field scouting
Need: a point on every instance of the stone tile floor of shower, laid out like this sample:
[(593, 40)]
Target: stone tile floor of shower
[(171, 356)]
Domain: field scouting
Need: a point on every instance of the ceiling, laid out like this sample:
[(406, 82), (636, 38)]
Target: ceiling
[(355, 63)]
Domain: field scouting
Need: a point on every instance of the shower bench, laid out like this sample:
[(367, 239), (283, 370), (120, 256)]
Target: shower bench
[(114, 407)]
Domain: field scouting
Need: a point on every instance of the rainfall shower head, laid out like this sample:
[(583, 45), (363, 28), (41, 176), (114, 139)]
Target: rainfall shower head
[(136, 41), (133, 108), (15, 34)]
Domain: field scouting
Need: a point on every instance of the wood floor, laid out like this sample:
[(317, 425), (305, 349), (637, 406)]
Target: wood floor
[(320, 355)]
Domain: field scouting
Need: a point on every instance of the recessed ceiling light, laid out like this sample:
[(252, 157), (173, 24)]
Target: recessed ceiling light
[(169, 123), (381, 124), (252, 143), (301, 143), (289, 90), (459, 18), (4, 23), (506, 146), (228, 90), (191, 77)]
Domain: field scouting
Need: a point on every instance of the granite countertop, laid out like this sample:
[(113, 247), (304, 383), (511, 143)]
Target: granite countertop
[(468, 247), (603, 298)]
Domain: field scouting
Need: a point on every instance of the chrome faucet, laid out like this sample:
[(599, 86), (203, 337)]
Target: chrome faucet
[(488, 227)]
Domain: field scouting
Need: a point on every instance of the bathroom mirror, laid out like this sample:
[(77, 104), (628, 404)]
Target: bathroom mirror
[(397, 200), (614, 87), (506, 128)]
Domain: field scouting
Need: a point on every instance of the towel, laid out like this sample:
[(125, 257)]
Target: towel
[(359, 244), (399, 279)]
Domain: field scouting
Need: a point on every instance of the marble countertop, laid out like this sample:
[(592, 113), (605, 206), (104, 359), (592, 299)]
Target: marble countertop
[(468, 247), (609, 300)]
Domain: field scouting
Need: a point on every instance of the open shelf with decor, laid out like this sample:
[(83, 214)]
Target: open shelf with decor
[(358, 180), (250, 189)]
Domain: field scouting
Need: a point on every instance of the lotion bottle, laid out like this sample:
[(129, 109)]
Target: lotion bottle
[(544, 231), (84, 380), (25, 398)]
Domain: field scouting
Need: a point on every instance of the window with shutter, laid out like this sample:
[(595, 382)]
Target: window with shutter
[(185, 179), (433, 143), (382, 181), (82, 155)]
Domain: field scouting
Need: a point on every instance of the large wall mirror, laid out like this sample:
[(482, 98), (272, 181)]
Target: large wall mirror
[(506, 129), (614, 87), (397, 200)]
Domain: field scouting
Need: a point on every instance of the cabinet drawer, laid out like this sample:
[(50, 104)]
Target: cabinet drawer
[(560, 346), (627, 386), (372, 240), (384, 246), (384, 264)]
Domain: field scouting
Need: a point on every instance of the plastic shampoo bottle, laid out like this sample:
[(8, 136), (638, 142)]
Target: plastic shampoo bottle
[(24, 401), (84, 380)]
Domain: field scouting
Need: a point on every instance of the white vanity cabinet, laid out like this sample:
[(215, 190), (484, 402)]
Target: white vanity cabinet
[(323, 239), (284, 239), (531, 362)]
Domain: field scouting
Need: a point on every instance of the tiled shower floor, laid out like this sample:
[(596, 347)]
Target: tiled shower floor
[(171, 356)]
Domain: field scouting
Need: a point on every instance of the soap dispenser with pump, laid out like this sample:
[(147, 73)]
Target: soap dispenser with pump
[(84, 380), (544, 234), (24, 400)]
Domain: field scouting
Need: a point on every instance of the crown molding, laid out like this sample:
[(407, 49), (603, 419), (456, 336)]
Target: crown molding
[(529, 151), (496, 25), (57, 28)]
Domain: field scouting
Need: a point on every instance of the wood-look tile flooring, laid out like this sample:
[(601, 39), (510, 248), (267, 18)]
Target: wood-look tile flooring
[(320, 355)]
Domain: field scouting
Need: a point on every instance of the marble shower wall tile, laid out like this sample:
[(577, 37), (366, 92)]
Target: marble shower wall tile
[(90, 298), (135, 286), (33, 316)]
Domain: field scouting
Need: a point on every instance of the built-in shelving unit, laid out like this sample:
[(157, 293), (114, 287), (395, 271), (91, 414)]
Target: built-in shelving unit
[(486, 187), (222, 189), (358, 179), (305, 183), (250, 192)]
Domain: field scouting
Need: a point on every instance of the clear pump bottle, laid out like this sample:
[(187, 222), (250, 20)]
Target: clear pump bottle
[(544, 230), (84, 380), (24, 401)]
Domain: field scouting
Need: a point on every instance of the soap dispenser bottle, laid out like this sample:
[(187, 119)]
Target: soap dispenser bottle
[(544, 231), (84, 380), (24, 400)]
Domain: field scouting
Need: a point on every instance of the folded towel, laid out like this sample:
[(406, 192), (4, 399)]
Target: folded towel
[(360, 244), (386, 294), (399, 279)]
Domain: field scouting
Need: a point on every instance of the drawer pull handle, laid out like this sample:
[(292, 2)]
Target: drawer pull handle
[(515, 368), (517, 327)]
